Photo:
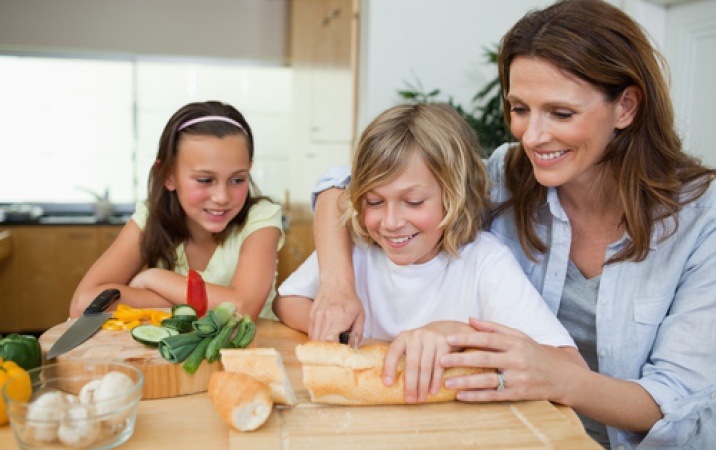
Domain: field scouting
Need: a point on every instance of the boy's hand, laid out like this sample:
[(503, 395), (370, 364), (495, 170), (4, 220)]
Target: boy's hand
[(423, 349)]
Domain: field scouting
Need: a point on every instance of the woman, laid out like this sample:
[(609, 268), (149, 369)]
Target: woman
[(612, 222)]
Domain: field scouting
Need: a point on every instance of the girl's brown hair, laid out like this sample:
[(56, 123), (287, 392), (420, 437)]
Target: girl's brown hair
[(166, 225), (598, 43), (449, 147)]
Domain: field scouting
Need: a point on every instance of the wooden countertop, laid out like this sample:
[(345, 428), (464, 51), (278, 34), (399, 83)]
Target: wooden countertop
[(190, 422)]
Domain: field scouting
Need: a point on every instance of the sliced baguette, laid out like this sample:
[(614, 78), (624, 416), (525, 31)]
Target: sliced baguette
[(264, 364), (337, 374), (242, 401)]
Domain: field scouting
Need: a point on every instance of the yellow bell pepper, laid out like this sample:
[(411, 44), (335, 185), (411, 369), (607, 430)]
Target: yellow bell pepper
[(126, 317), (20, 390), (120, 325), (128, 313), (158, 316)]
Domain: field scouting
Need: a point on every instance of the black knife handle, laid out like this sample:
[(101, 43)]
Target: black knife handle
[(102, 301)]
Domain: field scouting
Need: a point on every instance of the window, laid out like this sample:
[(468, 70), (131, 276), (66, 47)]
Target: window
[(71, 126)]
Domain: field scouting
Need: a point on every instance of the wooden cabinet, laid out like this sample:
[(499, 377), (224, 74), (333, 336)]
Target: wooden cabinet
[(40, 275), (298, 243), (323, 50), (9, 274)]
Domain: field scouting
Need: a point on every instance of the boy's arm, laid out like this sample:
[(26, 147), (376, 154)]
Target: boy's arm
[(293, 311)]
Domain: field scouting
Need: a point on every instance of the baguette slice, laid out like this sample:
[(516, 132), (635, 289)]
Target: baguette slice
[(242, 401), (264, 364), (337, 374)]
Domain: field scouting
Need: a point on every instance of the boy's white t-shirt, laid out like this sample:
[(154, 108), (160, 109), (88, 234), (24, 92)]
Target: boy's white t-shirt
[(485, 282)]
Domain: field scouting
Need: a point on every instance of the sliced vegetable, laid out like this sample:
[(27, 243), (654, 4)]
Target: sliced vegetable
[(196, 293), (221, 340), (157, 317), (184, 311), (176, 349), (126, 317), (214, 320), (194, 360), (127, 313), (24, 349), (179, 323), (119, 325), (221, 327), (151, 334), (245, 334)]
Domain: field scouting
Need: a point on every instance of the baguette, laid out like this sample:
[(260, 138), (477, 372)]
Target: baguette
[(264, 364), (335, 373), (242, 401)]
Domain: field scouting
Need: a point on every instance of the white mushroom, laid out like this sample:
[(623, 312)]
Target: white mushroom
[(44, 415), (113, 395), (87, 391), (79, 427)]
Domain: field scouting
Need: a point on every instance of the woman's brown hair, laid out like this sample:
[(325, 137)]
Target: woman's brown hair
[(166, 225), (600, 44)]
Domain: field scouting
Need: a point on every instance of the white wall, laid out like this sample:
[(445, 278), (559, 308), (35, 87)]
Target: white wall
[(436, 42), (440, 43)]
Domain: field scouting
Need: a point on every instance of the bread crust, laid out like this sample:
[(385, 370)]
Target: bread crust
[(264, 364), (334, 373), (242, 401)]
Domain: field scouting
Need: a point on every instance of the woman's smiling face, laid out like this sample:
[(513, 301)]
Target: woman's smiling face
[(563, 123), (403, 216)]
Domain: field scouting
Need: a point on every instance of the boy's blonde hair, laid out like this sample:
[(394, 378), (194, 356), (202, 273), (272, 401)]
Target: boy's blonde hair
[(450, 149)]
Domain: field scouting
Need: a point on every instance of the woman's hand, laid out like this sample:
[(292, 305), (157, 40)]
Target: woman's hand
[(335, 309), (531, 371), (540, 372)]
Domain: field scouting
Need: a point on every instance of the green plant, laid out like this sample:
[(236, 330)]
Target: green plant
[(485, 115)]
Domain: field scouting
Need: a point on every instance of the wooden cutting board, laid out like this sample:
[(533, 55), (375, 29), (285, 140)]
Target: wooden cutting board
[(536, 425), (162, 379)]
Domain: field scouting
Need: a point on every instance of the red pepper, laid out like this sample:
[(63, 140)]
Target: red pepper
[(196, 293)]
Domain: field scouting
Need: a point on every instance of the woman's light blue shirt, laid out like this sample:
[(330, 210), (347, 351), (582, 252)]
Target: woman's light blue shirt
[(656, 320)]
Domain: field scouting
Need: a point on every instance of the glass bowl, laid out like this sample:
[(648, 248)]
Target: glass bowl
[(89, 404)]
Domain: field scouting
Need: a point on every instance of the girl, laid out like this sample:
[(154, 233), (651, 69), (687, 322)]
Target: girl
[(203, 213), (422, 266)]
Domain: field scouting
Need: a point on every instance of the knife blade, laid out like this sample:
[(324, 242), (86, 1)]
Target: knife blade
[(84, 327)]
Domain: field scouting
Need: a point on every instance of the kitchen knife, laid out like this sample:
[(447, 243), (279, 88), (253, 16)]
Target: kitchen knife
[(91, 320), (345, 338)]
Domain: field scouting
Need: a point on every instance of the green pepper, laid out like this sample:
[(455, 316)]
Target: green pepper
[(24, 349)]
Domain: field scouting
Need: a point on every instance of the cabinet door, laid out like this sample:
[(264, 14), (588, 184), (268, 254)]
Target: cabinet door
[(298, 243), (9, 302), (106, 235), (690, 49), (55, 260), (323, 51)]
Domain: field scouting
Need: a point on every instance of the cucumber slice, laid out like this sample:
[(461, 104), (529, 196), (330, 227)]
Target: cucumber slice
[(184, 311), (151, 334), (182, 324)]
